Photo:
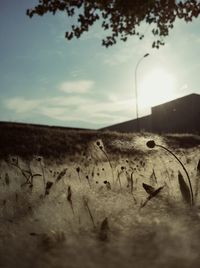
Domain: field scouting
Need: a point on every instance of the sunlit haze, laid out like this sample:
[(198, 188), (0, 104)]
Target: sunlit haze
[(157, 86), (46, 79)]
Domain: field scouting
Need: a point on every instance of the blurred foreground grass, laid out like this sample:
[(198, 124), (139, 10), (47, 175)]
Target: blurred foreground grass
[(64, 205)]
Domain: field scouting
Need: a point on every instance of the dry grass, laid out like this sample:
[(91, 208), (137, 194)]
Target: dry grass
[(27, 141), (88, 212), (183, 141)]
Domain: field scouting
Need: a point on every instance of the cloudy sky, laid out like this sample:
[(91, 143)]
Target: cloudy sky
[(46, 79)]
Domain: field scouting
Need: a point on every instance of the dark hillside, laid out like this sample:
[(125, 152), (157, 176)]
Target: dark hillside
[(27, 140)]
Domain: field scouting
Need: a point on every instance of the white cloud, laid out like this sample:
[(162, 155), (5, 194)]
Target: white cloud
[(127, 52), (21, 105), (81, 86), (74, 108), (67, 101), (52, 112), (119, 56)]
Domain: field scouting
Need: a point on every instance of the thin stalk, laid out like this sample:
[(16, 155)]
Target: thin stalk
[(43, 175), (118, 177), (79, 177), (131, 182), (89, 211), (78, 171), (69, 199), (87, 178), (109, 163)]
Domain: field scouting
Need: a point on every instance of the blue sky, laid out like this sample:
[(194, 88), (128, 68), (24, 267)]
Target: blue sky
[(46, 79)]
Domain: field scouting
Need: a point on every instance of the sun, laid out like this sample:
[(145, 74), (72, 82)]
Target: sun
[(157, 87)]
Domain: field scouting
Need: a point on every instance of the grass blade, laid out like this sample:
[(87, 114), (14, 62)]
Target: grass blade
[(61, 174), (198, 167), (152, 193), (69, 198), (148, 188), (85, 201), (103, 233), (49, 184), (185, 191)]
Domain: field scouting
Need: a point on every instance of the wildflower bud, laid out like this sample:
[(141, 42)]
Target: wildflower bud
[(151, 144), (78, 169)]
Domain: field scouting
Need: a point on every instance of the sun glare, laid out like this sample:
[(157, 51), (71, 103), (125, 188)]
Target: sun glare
[(156, 88)]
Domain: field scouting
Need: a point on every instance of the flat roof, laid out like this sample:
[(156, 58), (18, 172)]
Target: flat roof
[(177, 99)]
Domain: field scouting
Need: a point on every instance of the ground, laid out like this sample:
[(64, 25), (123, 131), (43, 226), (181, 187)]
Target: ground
[(86, 207)]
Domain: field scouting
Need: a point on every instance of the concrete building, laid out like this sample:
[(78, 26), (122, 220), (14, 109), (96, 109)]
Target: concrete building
[(181, 115), (131, 125)]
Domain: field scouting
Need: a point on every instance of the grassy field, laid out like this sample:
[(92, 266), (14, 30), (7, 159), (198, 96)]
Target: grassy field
[(82, 198)]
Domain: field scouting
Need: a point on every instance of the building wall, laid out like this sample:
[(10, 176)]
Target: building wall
[(180, 115), (132, 126)]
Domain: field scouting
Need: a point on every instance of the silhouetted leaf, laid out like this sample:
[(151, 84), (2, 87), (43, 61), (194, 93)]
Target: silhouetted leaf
[(185, 191), (198, 167), (49, 184), (152, 194), (103, 233), (61, 174), (148, 188), (157, 191), (69, 198), (120, 18), (37, 175), (69, 194), (7, 180)]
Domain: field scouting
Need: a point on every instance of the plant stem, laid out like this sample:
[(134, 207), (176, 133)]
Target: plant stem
[(109, 164), (118, 177), (89, 211), (43, 175)]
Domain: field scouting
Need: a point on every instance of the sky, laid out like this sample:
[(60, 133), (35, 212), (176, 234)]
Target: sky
[(45, 79)]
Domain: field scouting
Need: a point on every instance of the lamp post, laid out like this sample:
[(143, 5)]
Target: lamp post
[(136, 93)]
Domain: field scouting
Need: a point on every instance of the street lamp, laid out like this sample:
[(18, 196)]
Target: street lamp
[(136, 93)]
